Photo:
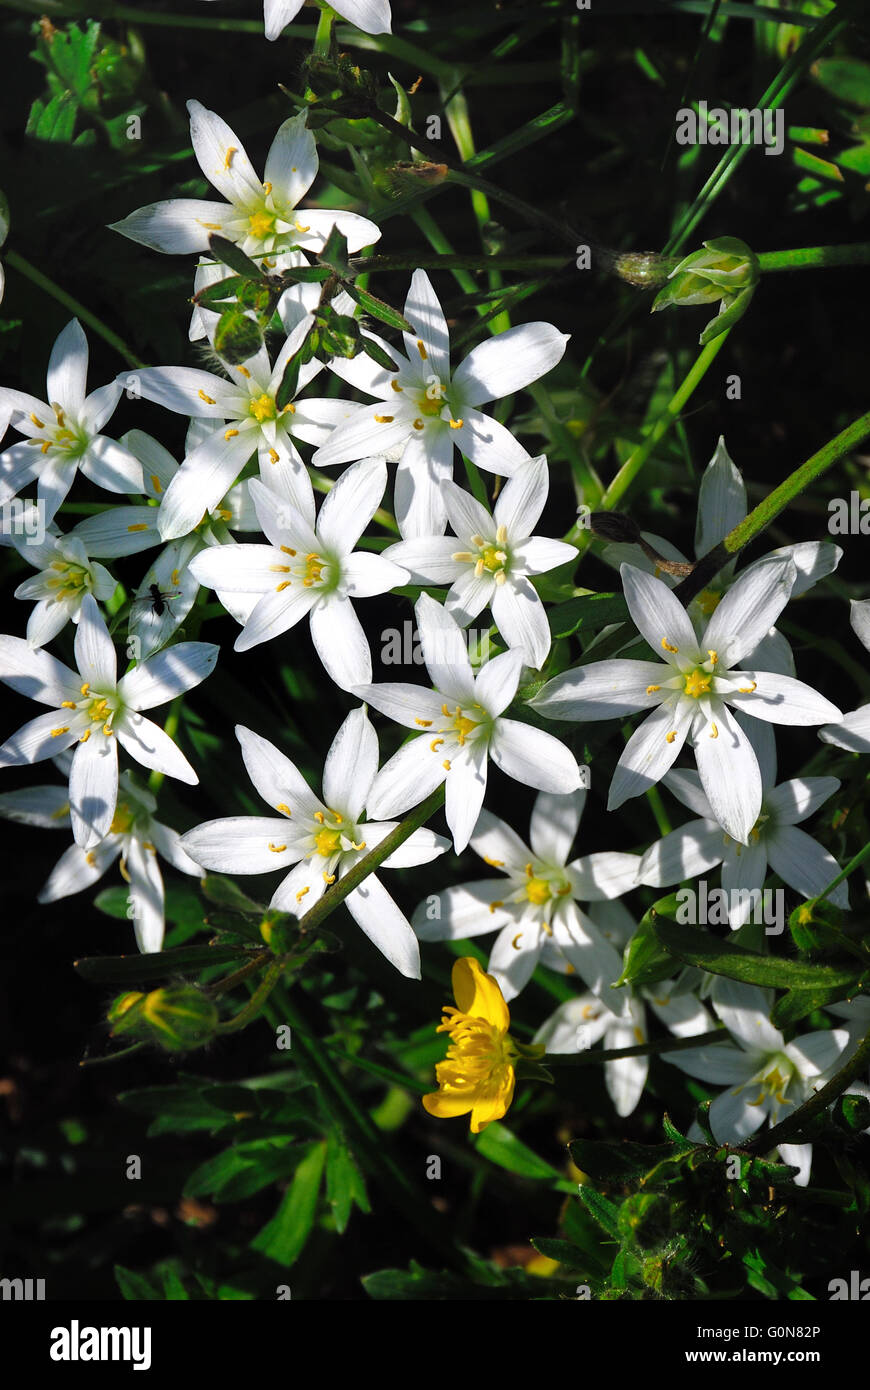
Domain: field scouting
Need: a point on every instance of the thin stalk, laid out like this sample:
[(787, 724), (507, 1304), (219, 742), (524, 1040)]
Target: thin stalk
[(786, 1129), (74, 305), (850, 868), (761, 516), (367, 865), (648, 1049), (582, 536), (256, 1001)]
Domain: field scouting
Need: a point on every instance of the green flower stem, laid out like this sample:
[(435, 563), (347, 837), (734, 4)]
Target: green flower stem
[(230, 981), (367, 865), (452, 262), (795, 1122), (591, 1058), (762, 515), (582, 536), (816, 257), (323, 37), (850, 868), (45, 283), (456, 111), (777, 93), (256, 1001)]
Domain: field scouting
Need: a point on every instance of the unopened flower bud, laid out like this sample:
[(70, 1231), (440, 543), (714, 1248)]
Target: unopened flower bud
[(726, 270), (179, 1018)]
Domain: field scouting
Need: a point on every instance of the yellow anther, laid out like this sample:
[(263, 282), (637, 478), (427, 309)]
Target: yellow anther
[(496, 903), (446, 764), (667, 646), (55, 733), (424, 723), (209, 400), (230, 434), (714, 732), (651, 689), (516, 941), (108, 730), (418, 425), (395, 385), (282, 806), (85, 736), (67, 704), (211, 226), (421, 349), (85, 688), (44, 448), (299, 227), (384, 419), (493, 863), (455, 424), (139, 526), (285, 584), (91, 858), (156, 483), (301, 894), (320, 817), (244, 371), (746, 689), (360, 846), (289, 407), (228, 157), (669, 738), (173, 578), (714, 656), (37, 422), (328, 878), (287, 550), (638, 1036), (277, 849), (273, 455), (436, 744), (280, 569)]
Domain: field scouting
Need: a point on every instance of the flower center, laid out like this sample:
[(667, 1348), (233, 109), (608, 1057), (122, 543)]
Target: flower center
[(538, 891), (698, 683), (327, 842), (773, 1080), (261, 224), (70, 580), (58, 436), (122, 821), (263, 408), (480, 1055)]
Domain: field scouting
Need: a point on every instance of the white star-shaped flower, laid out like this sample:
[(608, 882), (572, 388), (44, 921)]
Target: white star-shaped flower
[(774, 840), (766, 1076), (63, 434), (252, 422), (323, 839), (533, 906), (134, 835), (66, 575), (97, 711), (690, 695), (372, 16), (489, 560), (460, 725), (423, 410), (262, 216), (309, 568)]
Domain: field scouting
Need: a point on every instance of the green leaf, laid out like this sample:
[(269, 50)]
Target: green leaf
[(229, 254), (587, 613), (225, 893), (646, 961), (306, 274), (218, 293), (605, 1213), (377, 354), (135, 1288), (113, 901), (173, 1289), (707, 952), (379, 309), (284, 1237), (797, 1003), (334, 253), (240, 1171), (848, 79), (53, 120), (500, 1146), (561, 1250), (344, 1182), (617, 1163), (156, 965)]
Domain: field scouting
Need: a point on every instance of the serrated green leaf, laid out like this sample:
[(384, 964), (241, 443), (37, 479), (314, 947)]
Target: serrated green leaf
[(284, 1237), (379, 309), (605, 1213), (617, 1162), (377, 354), (562, 1250), (344, 1182), (221, 291), (229, 254)]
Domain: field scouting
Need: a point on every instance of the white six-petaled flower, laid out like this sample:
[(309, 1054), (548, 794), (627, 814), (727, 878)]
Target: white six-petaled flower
[(63, 434), (97, 711), (534, 905), (489, 560), (460, 725), (322, 839), (134, 834), (690, 695), (310, 568), (66, 575), (259, 215), (423, 411)]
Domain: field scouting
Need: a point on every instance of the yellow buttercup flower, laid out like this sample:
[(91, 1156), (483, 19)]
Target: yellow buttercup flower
[(477, 1074)]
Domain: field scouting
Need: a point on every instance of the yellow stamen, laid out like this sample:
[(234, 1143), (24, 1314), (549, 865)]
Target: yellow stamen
[(301, 894), (418, 425), (424, 723), (37, 422), (496, 903), (209, 400), (714, 732), (446, 764), (384, 419), (669, 738), (228, 157), (396, 387), (455, 424), (421, 349), (436, 744), (282, 806), (746, 689), (139, 526), (667, 646), (55, 733), (230, 434), (273, 455), (651, 689), (156, 483), (277, 849), (244, 371)]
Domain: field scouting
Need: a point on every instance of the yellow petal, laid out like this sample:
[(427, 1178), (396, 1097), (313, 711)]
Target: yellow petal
[(445, 1107), (478, 994)]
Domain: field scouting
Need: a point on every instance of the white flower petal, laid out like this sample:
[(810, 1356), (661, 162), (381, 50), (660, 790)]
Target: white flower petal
[(749, 609), (351, 503), (466, 788), (386, 927), (149, 745), (240, 845), (800, 798), (509, 361), (782, 700), (444, 651), (744, 1010), (658, 615), (405, 780), (146, 894), (684, 853), (533, 757), (341, 644), (650, 752), (733, 1118), (167, 674), (462, 912), (221, 157), (721, 500), (602, 690), (804, 864), (276, 778), (68, 368), (38, 739), (744, 868), (77, 869), (489, 444), (521, 619), (729, 773), (351, 765), (554, 824), (852, 732), (93, 789), (35, 673), (291, 164), (425, 466), (603, 876), (177, 226), (515, 953), (424, 313), (497, 681)]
